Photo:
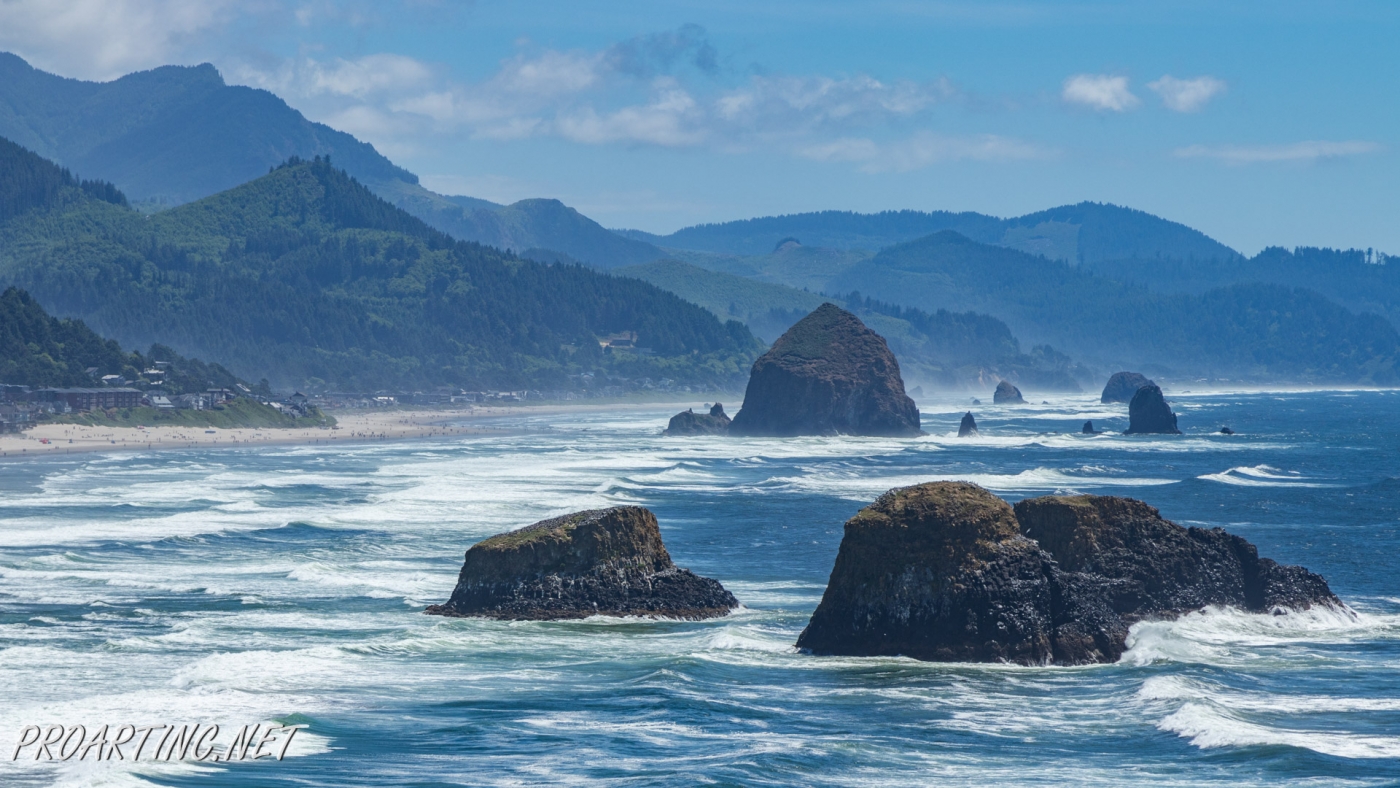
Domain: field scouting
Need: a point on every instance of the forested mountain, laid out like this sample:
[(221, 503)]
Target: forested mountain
[(306, 275), (1245, 331), (1083, 233), (179, 133), (39, 350), (1361, 280), (942, 348), (171, 134)]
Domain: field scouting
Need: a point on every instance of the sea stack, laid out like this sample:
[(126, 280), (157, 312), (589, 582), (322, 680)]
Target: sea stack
[(947, 571), (1123, 385), (607, 562), (1007, 394), (1089, 428), (688, 422), (828, 375), (968, 427), (1149, 413)]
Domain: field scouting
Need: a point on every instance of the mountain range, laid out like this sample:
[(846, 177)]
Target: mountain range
[(1113, 286)]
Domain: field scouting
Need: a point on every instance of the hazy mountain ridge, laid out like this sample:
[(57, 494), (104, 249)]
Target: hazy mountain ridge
[(305, 274)]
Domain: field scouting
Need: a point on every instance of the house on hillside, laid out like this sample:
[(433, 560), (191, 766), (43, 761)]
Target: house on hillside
[(89, 399), (625, 340)]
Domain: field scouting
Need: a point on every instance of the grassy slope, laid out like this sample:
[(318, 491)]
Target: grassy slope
[(238, 413)]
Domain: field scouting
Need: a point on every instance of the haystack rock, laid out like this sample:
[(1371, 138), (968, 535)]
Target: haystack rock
[(607, 562), (968, 427), (688, 422), (1007, 394), (828, 375), (1123, 385), (1149, 413), (947, 571)]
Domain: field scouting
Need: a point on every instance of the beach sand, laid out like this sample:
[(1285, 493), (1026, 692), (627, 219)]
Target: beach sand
[(353, 426)]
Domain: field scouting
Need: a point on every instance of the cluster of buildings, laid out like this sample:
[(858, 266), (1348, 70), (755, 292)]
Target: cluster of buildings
[(21, 406)]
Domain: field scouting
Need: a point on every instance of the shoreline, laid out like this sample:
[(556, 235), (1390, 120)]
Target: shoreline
[(353, 427)]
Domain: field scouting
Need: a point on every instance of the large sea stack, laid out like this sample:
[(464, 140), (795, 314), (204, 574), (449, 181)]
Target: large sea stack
[(688, 422), (1007, 394), (1123, 385), (1149, 413), (947, 571), (828, 375), (601, 562), (968, 427)]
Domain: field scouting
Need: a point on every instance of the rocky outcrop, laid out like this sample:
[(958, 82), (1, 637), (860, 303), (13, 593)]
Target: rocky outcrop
[(1007, 394), (828, 375), (1089, 428), (601, 562), (968, 427), (1123, 385), (1149, 413), (946, 571), (688, 422)]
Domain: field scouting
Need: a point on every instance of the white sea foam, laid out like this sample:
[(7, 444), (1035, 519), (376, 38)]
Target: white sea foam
[(1262, 476), (1207, 727)]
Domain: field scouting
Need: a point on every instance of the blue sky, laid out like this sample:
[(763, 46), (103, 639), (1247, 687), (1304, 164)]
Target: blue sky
[(1258, 123)]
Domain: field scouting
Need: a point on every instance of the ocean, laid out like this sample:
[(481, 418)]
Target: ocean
[(285, 586)]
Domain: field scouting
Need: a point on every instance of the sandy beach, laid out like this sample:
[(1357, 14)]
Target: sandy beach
[(353, 426)]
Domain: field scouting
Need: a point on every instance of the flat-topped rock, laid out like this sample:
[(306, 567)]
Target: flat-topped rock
[(1122, 386), (688, 422), (947, 571), (828, 375), (1007, 394), (600, 562), (968, 427), (1149, 413)]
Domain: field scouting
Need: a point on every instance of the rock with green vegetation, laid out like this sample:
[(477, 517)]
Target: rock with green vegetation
[(937, 571), (1149, 413), (1007, 394), (946, 571), (1122, 386), (608, 562), (688, 422), (828, 375)]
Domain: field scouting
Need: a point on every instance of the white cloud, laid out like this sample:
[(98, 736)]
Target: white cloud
[(104, 39), (1187, 95), (670, 120), (1099, 91), (1308, 151), (924, 149)]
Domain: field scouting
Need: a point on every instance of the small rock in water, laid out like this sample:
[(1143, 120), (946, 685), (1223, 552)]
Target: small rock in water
[(976, 401), (968, 427), (1089, 428), (1149, 413), (608, 562), (1007, 394), (1226, 431), (688, 422)]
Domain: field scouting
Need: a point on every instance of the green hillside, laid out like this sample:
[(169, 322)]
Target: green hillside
[(1252, 330), (306, 276), (942, 348)]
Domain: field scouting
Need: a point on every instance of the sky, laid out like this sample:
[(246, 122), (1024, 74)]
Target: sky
[(1260, 124)]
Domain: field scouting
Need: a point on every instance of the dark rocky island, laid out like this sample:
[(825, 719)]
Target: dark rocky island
[(1149, 413), (1089, 428), (1007, 394), (968, 427), (1123, 385), (607, 562), (947, 571), (828, 375), (688, 422)]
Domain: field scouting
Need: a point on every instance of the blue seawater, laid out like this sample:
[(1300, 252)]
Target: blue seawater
[(286, 584)]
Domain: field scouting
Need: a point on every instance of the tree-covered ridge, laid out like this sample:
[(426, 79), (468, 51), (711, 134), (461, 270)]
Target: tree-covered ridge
[(305, 275), (1246, 330), (39, 350), (30, 183)]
